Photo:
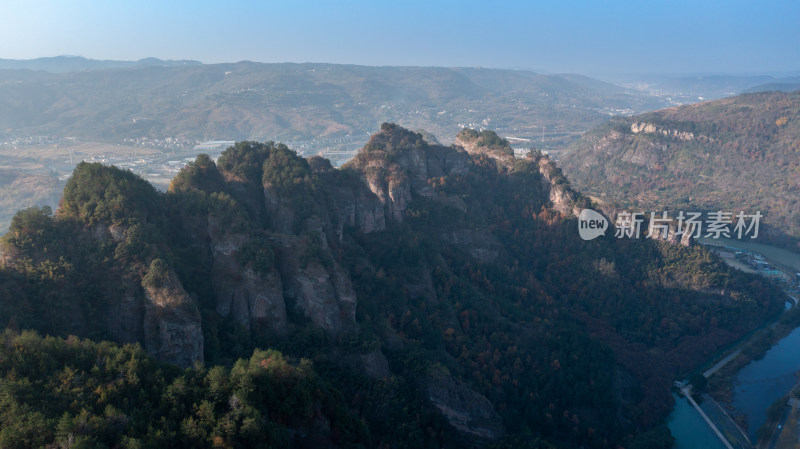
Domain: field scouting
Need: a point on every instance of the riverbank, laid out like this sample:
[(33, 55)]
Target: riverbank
[(754, 388), (719, 384), (720, 375), (780, 256), (717, 398)]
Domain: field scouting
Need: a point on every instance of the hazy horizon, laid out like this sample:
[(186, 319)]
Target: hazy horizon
[(602, 40), (665, 74)]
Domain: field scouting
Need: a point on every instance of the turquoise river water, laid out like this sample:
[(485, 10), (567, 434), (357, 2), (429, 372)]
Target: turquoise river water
[(755, 388)]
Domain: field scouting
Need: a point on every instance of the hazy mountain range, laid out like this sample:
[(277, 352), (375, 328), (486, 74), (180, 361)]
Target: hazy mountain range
[(302, 102), (61, 64), (718, 86)]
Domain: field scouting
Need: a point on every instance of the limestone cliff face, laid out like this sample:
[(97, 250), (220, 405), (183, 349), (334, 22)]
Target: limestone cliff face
[(635, 148), (326, 297), (399, 190), (651, 128), (279, 213), (685, 237), (561, 196), (323, 292), (252, 299), (103, 231), (628, 148), (395, 176), (172, 328), (480, 244), (486, 143), (359, 208), (421, 164), (124, 320), (161, 316)]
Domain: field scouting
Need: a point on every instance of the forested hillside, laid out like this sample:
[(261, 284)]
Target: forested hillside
[(735, 154), (420, 296)]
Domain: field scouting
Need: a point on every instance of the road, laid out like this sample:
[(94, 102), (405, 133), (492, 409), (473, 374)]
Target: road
[(776, 432), (721, 363)]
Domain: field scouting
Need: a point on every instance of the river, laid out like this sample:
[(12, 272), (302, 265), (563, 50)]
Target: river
[(689, 429), (756, 386), (762, 382)]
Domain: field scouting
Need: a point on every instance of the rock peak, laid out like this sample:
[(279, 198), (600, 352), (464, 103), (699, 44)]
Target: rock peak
[(392, 140), (485, 142)]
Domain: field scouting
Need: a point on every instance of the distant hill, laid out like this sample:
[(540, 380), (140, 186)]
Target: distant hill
[(714, 86), (740, 153), (784, 85), (301, 102), (61, 64), (691, 89)]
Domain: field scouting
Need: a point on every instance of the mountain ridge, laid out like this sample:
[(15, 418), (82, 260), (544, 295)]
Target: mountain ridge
[(217, 101), (69, 63), (442, 280)]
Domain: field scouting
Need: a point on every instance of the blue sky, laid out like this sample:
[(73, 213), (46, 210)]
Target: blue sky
[(591, 37)]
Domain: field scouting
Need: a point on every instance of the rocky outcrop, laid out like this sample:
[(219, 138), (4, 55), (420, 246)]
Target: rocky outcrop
[(685, 237), (124, 320), (421, 164), (324, 294), (651, 128), (252, 299), (103, 231), (561, 196), (316, 284), (480, 244), (172, 329), (396, 178), (485, 143), (280, 215), (359, 208), (399, 190), (466, 409)]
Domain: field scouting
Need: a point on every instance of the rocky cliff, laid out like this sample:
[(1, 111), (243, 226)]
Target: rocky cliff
[(397, 164), (172, 327)]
